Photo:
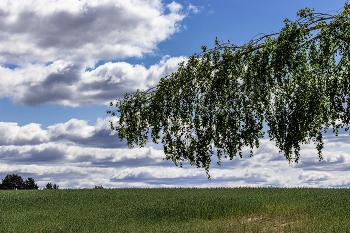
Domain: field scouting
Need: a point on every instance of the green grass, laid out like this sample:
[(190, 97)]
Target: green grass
[(176, 210)]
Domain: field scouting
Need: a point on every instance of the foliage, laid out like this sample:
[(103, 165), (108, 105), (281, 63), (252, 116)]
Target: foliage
[(98, 187), (177, 210), (50, 186), (15, 182), (30, 184), (295, 81)]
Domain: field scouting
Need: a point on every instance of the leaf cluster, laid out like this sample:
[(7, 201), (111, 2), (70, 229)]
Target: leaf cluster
[(295, 81)]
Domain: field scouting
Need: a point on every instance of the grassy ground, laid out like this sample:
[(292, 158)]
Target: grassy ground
[(176, 210)]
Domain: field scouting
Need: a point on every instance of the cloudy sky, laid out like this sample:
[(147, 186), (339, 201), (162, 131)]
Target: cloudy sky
[(63, 61)]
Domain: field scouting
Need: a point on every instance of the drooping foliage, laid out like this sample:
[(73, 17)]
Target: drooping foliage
[(295, 81)]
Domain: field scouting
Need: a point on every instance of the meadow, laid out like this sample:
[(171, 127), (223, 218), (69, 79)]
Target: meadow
[(176, 210)]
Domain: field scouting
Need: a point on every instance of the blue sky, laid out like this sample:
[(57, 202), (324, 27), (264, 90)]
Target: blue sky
[(62, 62)]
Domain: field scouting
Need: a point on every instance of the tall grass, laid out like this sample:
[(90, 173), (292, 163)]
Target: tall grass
[(176, 210)]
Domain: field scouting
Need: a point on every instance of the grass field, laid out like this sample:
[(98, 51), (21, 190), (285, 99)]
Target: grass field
[(176, 210)]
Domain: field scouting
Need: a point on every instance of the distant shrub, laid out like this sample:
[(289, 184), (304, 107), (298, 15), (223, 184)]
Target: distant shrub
[(50, 186)]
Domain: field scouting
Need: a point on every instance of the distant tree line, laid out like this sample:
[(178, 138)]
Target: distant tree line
[(16, 182)]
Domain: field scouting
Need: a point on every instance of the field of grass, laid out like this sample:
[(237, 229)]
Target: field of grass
[(176, 210)]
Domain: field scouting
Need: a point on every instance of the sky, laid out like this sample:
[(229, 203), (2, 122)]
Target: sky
[(63, 61)]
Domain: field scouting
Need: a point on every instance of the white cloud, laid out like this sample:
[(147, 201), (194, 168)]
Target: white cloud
[(142, 173), (324, 179), (56, 41), (74, 132), (174, 7), (78, 154), (73, 128), (193, 8), (70, 84), (314, 176), (11, 133), (83, 31)]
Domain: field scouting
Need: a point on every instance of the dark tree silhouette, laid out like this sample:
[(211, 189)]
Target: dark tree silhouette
[(12, 181), (30, 184), (50, 186), (15, 181)]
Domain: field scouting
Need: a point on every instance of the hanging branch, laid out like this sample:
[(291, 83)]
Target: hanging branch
[(296, 81)]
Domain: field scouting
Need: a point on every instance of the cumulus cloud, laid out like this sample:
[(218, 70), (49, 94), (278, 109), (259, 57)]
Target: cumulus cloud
[(78, 154), (57, 44), (70, 84), (324, 179), (190, 177), (32, 154), (12, 134), (314, 176), (75, 132), (83, 31)]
